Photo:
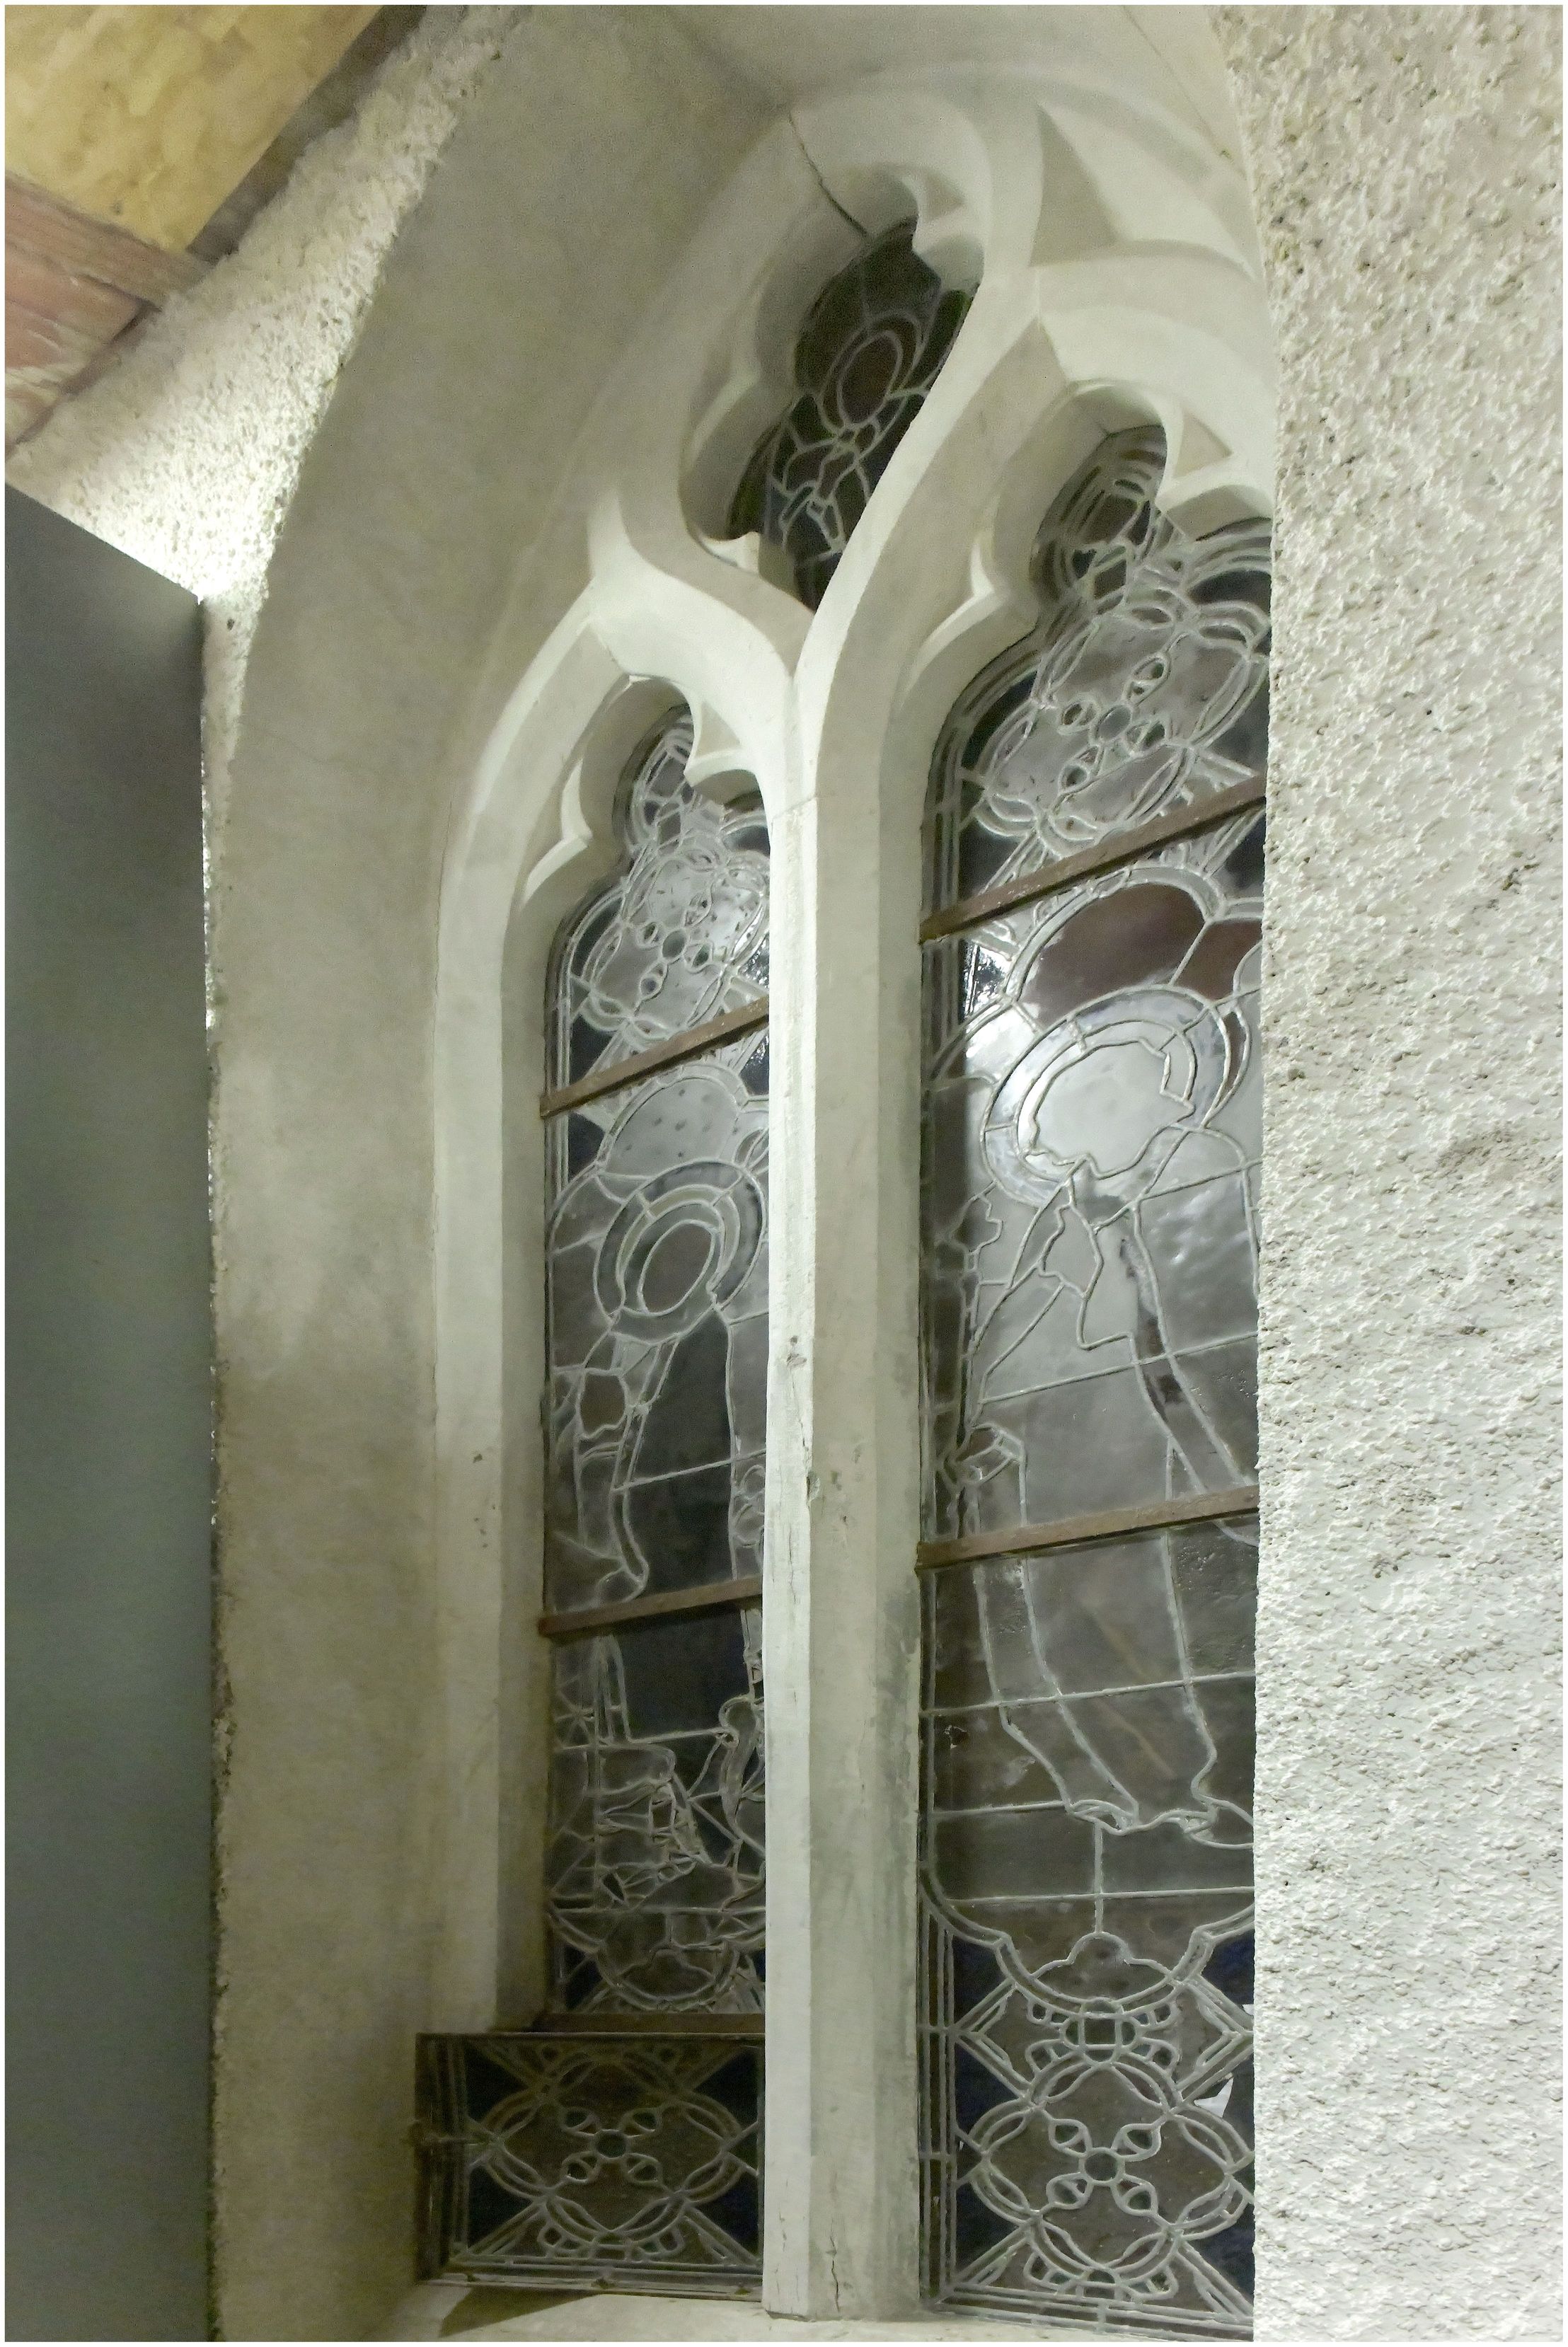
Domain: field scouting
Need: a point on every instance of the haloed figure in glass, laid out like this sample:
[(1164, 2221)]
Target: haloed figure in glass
[(1090, 1241), (657, 1260)]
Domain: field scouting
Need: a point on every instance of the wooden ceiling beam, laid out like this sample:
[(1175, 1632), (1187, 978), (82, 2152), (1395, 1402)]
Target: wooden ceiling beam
[(53, 231), (74, 285), (139, 111)]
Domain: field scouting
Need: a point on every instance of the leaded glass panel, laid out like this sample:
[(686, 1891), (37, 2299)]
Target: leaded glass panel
[(607, 2163), (1090, 1233), (680, 935), (1087, 1891), (1090, 1200), (869, 352), (1143, 689), (618, 2142), (657, 1250), (656, 1818)]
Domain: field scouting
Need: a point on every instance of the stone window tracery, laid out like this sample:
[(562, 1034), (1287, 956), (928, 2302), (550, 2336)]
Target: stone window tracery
[(1084, 1556)]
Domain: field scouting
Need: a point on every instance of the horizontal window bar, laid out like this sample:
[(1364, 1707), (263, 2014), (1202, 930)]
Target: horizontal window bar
[(1152, 1516), (959, 1711), (1104, 858), (1241, 1887), (632, 1744), (586, 1619), (646, 2025), (661, 1055)]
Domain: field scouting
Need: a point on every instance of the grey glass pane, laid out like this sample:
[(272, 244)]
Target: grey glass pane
[(657, 1256), (680, 935), (629, 2164), (1090, 1202), (655, 1870), (867, 354), (1093, 1114), (642, 2162), (1143, 689), (1086, 1884)]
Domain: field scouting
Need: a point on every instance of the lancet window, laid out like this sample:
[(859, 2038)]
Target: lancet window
[(1086, 1560), (1090, 1170), (621, 2135)]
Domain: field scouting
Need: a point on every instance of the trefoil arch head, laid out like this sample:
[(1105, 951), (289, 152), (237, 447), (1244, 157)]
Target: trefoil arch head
[(679, 934), (1141, 690)]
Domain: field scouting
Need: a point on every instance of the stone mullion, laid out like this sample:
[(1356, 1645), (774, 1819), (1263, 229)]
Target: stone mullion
[(840, 1612)]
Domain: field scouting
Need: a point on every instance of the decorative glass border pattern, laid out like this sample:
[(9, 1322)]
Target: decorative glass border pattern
[(607, 2162), (1141, 696), (1086, 1872), (678, 937)]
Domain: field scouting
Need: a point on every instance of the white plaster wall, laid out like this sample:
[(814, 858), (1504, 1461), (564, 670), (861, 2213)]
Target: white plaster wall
[(1405, 172), (186, 454), (432, 480)]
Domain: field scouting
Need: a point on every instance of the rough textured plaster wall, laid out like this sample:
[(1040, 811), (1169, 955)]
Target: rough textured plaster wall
[(1404, 165), (566, 194), (186, 454)]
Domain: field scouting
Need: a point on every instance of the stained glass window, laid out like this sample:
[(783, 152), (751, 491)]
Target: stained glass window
[(604, 2162), (1143, 693), (869, 352), (1089, 1204), (619, 2140)]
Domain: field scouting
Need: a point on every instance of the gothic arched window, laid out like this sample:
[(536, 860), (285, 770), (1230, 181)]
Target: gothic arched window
[(624, 2131), (1008, 1623), (657, 1353), (1091, 1145)]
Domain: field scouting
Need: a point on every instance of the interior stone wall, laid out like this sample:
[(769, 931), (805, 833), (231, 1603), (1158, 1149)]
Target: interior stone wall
[(430, 483), (1404, 165)]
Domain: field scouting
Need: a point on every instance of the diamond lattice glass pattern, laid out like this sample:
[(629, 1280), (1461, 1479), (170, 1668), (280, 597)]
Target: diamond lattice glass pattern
[(867, 354), (620, 2164), (1088, 1961), (1143, 689), (681, 934)]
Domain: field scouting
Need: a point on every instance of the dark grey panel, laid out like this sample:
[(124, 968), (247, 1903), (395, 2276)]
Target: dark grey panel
[(108, 1446)]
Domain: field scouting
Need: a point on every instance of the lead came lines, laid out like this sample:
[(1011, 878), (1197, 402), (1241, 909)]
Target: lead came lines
[(640, 2163), (657, 1349), (1091, 1161)]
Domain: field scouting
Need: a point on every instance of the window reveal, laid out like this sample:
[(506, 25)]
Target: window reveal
[(1090, 1167)]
